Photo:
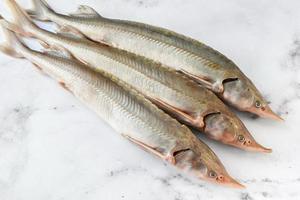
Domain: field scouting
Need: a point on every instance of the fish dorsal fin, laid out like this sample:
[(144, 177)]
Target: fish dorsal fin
[(86, 11), (58, 51), (69, 31)]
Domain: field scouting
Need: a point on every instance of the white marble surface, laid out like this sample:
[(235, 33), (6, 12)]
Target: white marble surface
[(53, 148)]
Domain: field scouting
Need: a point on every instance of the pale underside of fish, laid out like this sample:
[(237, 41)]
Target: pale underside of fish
[(127, 112), (198, 61)]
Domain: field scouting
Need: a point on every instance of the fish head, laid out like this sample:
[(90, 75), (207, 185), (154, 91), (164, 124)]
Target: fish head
[(243, 95), (228, 128), (206, 166)]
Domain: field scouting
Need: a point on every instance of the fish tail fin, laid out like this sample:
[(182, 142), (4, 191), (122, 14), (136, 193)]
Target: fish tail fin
[(21, 22), (40, 10), (12, 45)]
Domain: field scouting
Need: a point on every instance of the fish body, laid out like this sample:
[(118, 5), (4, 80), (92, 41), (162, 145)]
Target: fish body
[(129, 113), (197, 60), (168, 89)]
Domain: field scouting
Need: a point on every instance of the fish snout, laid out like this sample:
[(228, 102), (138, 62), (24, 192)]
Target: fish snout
[(254, 146), (267, 112)]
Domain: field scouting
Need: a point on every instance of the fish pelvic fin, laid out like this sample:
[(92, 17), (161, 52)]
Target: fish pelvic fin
[(12, 44), (145, 146)]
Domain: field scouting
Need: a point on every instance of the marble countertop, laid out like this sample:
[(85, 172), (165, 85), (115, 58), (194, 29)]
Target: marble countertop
[(54, 148)]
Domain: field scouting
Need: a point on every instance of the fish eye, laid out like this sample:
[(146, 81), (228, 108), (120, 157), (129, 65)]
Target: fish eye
[(257, 104), (241, 138), (212, 174)]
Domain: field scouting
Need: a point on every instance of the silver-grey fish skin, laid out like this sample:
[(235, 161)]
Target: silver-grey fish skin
[(170, 90), (157, 82), (199, 61), (128, 113)]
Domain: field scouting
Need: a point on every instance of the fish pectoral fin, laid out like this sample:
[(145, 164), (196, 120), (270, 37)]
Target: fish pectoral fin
[(86, 12), (183, 115), (203, 80), (147, 147), (70, 32)]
